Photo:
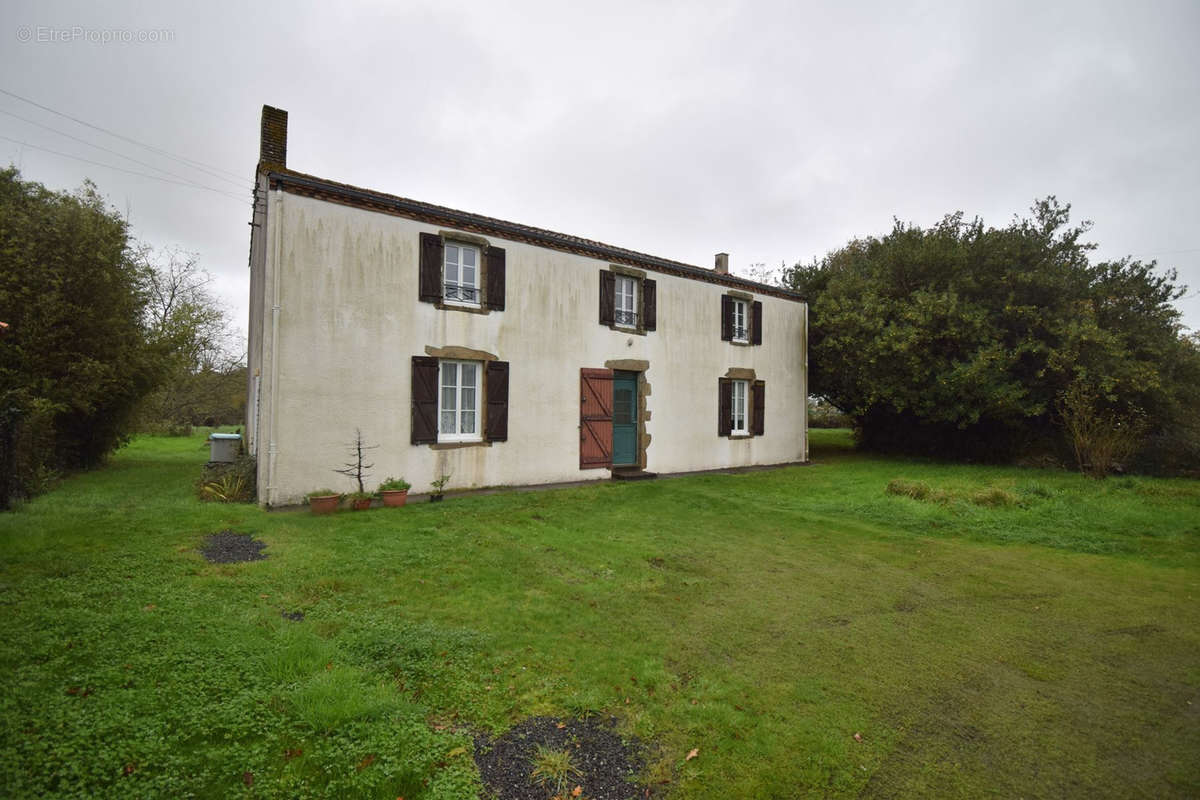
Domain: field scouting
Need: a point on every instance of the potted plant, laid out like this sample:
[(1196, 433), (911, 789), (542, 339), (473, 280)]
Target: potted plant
[(438, 484), (394, 491), (323, 501), (360, 501)]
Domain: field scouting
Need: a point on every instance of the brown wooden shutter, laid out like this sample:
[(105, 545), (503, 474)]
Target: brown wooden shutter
[(726, 318), (756, 323), (649, 304), (424, 400), (608, 297), (496, 425), (494, 292), (595, 418), (757, 418), (724, 406), (430, 283)]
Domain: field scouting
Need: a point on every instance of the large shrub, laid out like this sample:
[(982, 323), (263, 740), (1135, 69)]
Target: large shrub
[(75, 357), (960, 340)]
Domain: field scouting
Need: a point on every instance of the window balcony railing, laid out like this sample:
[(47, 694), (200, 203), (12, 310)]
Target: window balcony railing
[(463, 294), (626, 318), (740, 333)]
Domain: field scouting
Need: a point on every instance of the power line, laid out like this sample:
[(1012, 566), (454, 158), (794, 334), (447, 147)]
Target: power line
[(199, 165), (122, 169), (105, 149), (1167, 252)]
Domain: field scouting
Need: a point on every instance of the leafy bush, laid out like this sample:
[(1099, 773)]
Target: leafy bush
[(395, 485), (956, 340), (1103, 440)]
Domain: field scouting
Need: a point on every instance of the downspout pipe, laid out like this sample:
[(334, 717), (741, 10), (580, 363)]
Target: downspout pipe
[(276, 278)]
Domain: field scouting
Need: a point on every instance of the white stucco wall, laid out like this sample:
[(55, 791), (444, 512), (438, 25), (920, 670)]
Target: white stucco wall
[(349, 322)]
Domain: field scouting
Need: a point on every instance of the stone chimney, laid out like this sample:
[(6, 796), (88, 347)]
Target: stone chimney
[(272, 148), (722, 267)]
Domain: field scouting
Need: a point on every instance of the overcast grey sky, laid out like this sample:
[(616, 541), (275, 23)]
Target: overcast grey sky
[(772, 131)]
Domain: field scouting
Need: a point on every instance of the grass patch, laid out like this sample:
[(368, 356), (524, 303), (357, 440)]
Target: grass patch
[(1040, 643)]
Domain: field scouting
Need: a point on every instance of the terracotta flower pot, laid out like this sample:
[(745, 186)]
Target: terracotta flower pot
[(324, 504), (361, 503), (394, 497)]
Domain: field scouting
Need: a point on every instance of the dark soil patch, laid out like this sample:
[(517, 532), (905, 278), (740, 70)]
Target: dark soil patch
[(606, 765), (229, 547), (292, 616)]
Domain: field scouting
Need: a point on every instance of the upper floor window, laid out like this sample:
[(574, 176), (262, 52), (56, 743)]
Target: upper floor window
[(625, 302), (741, 331), (628, 300), (461, 274), (741, 319), (467, 274)]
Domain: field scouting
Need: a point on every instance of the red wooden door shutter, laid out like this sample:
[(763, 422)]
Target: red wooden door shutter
[(494, 292), (649, 304), (608, 297), (430, 282), (595, 418), (756, 323), (424, 400), (496, 425), (759, 401), (726, 318), (724, 406)]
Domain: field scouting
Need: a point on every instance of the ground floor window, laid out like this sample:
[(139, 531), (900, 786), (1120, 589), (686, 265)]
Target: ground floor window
[(737, 423), (459, 401)]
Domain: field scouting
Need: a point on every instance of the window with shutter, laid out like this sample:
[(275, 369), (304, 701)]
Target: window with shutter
[(628, 302), (424, 400), (758, 411), (649, 304), (724, 406), (496, 380), (608, 297), (493, 295), (430, 280)]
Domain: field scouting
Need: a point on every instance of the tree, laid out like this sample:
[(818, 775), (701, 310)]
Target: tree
[(205, 381), (77, 356), (959, 340)]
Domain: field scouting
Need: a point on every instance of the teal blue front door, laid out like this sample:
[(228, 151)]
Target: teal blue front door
[(624, 451)]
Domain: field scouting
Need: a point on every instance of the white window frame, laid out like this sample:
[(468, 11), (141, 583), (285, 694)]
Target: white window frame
[(458, 270), (619, 297), (739, 392), (456, 436), (740, 309)]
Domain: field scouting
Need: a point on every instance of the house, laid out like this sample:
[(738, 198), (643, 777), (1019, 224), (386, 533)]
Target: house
[(497, 353)]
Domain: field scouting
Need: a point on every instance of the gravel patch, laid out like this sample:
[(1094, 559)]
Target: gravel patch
[(605, 763), (229, 547)]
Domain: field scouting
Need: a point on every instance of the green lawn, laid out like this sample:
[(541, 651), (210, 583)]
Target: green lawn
[(1047, 645)]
